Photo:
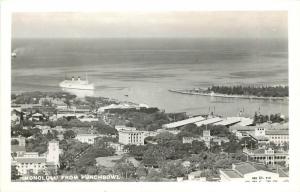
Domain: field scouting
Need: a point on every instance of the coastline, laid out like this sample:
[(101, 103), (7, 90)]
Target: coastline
[(189, 92)]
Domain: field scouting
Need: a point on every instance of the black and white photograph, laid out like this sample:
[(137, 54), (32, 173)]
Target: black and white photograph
[(178, 96)]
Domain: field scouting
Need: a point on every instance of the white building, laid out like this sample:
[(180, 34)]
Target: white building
[(86, 138), (251, 172), (116, 106), (30, 164), (53, 152), (267, 156), (131, 137), (205, 138), (259, 135), (33, 163), (260, 132), (279, 137), (119, 148)]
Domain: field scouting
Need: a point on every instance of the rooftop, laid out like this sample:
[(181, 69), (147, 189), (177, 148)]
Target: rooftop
[(231, 173), (31, 160), (17, 148), (229, 121), (277, 132), (183, 122), (244, 168), (209, 121)]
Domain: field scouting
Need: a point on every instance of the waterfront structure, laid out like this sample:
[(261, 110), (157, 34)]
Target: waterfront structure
[(208, 121), (252, 172), (116, 106), (267, 156), (131, 137), (229, 121), (183, 122), (245, 121)]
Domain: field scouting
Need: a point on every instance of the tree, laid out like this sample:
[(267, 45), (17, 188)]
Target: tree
[(250, 143), (154, 175), (214, 147), (164, 137), (69, 134), (193, 129), (182, 134), (136, 150), (125, 169), (141, 172), (198, 147), (14, 142), (173, 169), (285, 146), (14, 173)]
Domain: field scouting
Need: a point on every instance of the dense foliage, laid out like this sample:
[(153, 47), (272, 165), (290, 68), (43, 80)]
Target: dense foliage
[(274, 118), (141, 120), (33, 97), (262, 91), (80, 157)]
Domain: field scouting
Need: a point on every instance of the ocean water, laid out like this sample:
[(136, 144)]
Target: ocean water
[(144, 69)]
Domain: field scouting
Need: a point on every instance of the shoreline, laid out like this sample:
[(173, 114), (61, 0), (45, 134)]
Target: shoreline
[(188, 92)]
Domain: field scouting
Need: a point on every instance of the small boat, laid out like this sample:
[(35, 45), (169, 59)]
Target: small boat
[(14, 54)]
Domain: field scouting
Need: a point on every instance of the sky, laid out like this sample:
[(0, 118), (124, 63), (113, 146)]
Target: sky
[(200, 24)]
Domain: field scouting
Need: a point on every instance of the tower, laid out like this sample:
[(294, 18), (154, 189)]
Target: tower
[(206, 137), (53, 152), (21, 141)]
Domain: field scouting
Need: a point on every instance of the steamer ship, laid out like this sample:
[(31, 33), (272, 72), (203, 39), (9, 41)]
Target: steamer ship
[(77, 83)]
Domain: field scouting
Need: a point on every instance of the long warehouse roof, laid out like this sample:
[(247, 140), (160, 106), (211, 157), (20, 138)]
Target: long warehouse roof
[(183, 122), (229, 121), (208, 121)]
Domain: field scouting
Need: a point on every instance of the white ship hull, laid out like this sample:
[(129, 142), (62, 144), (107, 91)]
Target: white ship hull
[(82, 85)]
